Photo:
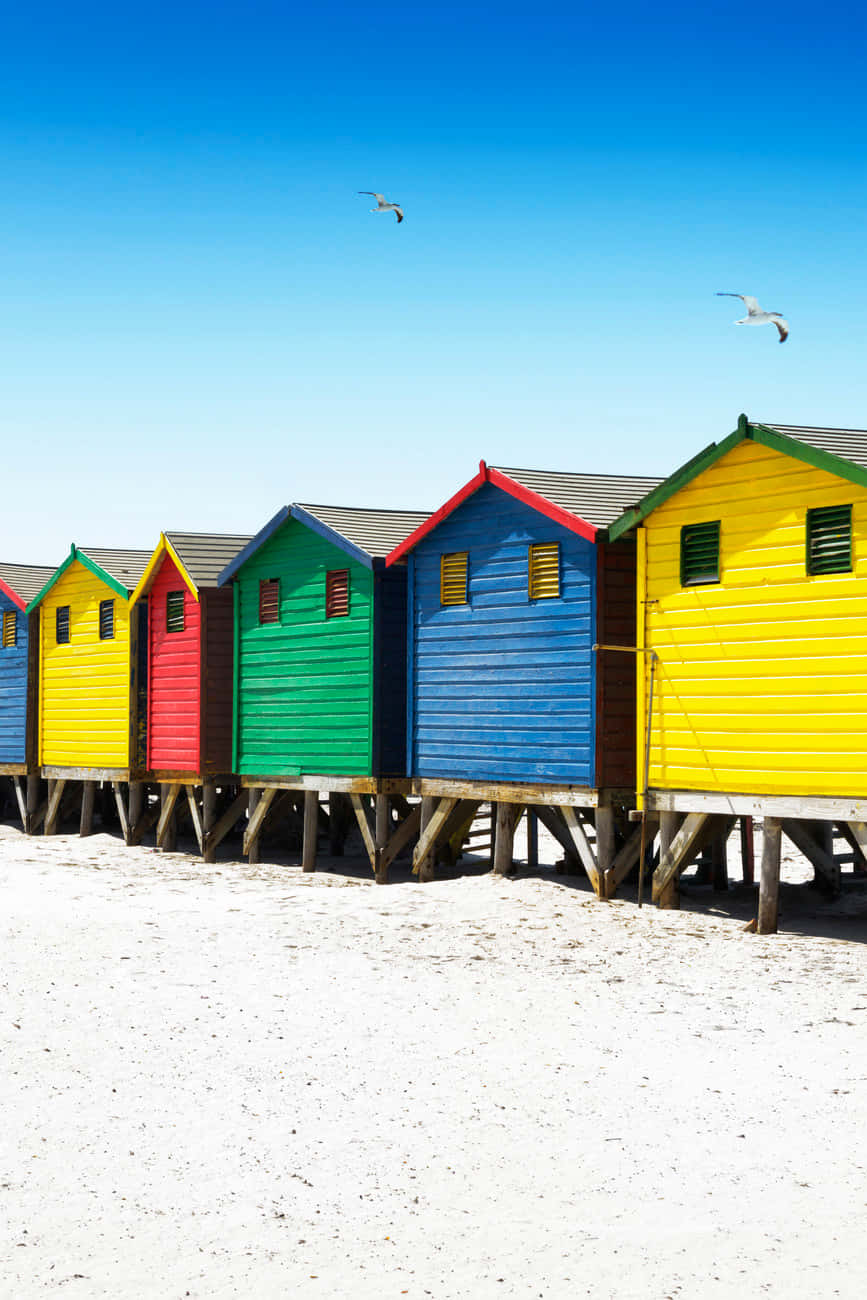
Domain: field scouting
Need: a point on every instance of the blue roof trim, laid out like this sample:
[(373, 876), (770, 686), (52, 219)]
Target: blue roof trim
[(252, 547), (317, 526)]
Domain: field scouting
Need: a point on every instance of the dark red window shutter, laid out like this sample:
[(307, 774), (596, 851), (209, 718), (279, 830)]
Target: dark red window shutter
[(336, 593), (269, 600)]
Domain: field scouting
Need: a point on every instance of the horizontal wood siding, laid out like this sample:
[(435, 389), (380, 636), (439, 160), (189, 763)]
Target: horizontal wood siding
[(503, 687), (217, 681), (173, 677), (390, 672), (305, 683), (761, 685), (615, 705), (84, 684), (13, 688)]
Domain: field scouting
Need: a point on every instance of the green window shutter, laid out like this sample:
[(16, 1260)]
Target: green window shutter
[(106, 620), (829, 539), (699, 554), (453, 578), (61, 625), (10, 628), (543, 570), (174, 611)]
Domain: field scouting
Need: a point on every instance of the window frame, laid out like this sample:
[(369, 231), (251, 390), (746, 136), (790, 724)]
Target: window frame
[(106, 606), (809, 558), (454, 555), (173, 631), (535, 549), (264, 583), (703, 579), (58, 611), (331, 577), (10, 618)]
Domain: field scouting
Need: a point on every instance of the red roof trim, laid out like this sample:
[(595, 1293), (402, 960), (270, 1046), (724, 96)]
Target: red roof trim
[(13, 595), (545, 507)]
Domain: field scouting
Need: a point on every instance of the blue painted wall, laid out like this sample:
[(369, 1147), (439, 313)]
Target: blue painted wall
[(502, 688), (13, 689)]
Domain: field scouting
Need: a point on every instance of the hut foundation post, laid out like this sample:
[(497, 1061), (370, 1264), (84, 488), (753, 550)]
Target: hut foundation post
[(507, 817), (769, 884), (209, 817), (382, 825), (532, 839), (32, 803), (311, 830), (167, 830), (719, 858), (252, 804), (668, 824), (55, 794), (426, 868), (88, 794), (136, 802), (605, 846), (748, 850)]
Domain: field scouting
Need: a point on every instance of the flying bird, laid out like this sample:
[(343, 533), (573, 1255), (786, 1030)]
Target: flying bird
[(755, 315), (382, 206)]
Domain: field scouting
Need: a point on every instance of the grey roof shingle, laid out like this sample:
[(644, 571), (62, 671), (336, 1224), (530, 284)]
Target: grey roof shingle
[(849, 444), (205, 555), (26, 580), (126, 567), (376, 532), (598, 499)]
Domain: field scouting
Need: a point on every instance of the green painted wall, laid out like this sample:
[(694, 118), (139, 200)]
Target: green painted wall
[(305, 684)]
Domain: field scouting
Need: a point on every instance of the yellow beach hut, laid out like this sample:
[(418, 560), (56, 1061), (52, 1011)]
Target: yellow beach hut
[(90, 678), (752, 594)]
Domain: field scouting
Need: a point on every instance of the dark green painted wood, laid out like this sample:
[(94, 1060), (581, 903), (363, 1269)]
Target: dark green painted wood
[(304, 698)]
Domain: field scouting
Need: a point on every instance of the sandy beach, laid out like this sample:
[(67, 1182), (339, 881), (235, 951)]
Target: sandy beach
[(243, 1081)]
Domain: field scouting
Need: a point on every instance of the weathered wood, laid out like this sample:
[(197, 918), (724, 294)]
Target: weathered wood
[(426, 867), (146, 819), (20, 800), (532, 839), (330, 784), (121, 810), (431, 832), (134, 807), (55, 794), (626, 858), (507, 792), (582, 844), (675, 858), (382, 827), (311, 830), (364, 826), (748, 857), (33, 786), (88, 793), (226, 823), (404, 833), (813, 851), (194, 814), (209, 817), (669, 823), (85, 773), (805, 807), (508, 816), (254, 825), (606, 845), (858, 837), (553, 822), (165, 827), (769, 883), (254, 794)]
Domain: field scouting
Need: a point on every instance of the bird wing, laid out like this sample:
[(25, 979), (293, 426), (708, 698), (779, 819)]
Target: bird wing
[(783, 327), (380, 198), (398, 212), (749, 302)]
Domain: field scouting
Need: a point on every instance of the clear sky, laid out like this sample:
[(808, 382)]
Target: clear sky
[(202, 321)]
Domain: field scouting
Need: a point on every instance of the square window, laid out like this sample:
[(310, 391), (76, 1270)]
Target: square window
[(106, 620), (10, 628), (543, 570), (699, 554), (336, 593), (61, 625), (174, 611), (453, 578), (829, 540), (269, 600)]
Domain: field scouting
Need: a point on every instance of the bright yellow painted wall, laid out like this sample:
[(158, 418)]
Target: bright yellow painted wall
[(761, 682), (84, 686)]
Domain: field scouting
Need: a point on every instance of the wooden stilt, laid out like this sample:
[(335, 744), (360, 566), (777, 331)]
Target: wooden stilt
[(532, 839), (339, 821), (816, 850), (425, 849), (195, 815), (136, 799), (582, 844), (628, 855), (258, 813), (225, 824), (605, 846), (553, 822), (88, 794), (167, 832), (32, 803), (364, 826), (507, 819), (748, 859), (252, 851), (383, 825), (426, 866), (769, 885), (55, 794), (719, 858), (18, 786), (311, 830), (674, 858), (121, 810), (209, 817)]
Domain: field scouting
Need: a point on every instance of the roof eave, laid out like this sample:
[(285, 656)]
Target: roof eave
[(13, 595), (163, 548), (254, 545), (331, 535)]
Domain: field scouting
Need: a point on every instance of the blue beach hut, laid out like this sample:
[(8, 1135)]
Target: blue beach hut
[(19, 583)]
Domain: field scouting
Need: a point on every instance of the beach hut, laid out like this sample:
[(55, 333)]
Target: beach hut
[(752, 562), (190, 653), (514, 696), (320, 666), (92, 681), (19, 658)]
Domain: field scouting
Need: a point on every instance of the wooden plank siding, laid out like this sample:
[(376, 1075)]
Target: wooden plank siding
[(616, 670), (13, 686), (174, 694), (217, 680), (503, 688), (761, 682), (85, 684), (305, 683)]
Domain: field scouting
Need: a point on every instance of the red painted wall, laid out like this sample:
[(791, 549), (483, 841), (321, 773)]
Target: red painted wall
[(175, 678)]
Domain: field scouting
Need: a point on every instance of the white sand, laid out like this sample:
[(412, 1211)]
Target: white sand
[(242, 1081)]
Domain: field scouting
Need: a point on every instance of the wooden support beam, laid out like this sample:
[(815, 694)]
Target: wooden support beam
[(134, 807), (21, 800), (582, 844), (426, 866), (803, 839), (32, 804), (626, 858), (553, 822), (226, 823), (669, 824), (532, 838), (606, 845), (404, 833), (382, 821), (121, 810), (311, 830), (194, 814), (254, 794), (145, 821), (364, 826), (508, 816), (55, 794), (748, 855), (254, 825), (209, 817), (673, 861), (857, 837), (165, 828), (430, 834), (88, 794), (769, 884), (463, 813)]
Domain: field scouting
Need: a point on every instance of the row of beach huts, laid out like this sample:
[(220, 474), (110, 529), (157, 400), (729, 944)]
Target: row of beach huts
[(639, 664)]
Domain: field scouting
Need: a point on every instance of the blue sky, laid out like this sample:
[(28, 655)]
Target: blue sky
[(202, 321)]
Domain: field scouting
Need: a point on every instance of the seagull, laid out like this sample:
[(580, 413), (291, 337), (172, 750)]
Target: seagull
[(382, 206), (755, 315)]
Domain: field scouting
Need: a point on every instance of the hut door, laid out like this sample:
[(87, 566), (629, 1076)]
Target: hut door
[(142, 656)]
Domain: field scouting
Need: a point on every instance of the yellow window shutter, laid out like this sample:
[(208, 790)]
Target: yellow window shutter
[(10, 627), (453, 578), (544, 570)]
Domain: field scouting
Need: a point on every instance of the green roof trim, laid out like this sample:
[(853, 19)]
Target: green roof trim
[(781, 442), (76, 554)]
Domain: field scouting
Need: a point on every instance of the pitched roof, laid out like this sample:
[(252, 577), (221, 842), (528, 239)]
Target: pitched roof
[(21, 582), (205, 555), (842, 452), (126, 567)]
